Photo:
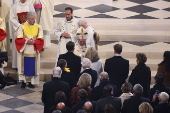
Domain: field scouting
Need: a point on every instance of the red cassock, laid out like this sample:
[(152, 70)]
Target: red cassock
[(38, 44), (3, 34)]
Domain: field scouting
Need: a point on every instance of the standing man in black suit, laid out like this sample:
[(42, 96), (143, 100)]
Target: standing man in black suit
[(73, 61), (108, 99), (131, 105), (51, 87), (117, 67)]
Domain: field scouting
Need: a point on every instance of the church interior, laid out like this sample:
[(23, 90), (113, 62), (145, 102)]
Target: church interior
[(139, 25)]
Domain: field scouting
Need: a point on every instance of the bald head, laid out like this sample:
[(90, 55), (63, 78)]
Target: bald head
[(61, 106), (104, 76), (88, 107)]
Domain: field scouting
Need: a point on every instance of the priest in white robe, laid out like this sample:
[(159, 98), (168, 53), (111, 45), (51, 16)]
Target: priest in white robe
[(90, 33), (5, 7), (45, 10), (17, 17), (66, 30), (29, 44)]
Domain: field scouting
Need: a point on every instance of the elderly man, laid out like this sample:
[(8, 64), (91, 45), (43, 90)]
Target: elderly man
[(66, 30), (97, 92), (88, 107), (45, 10), (86, 63), (29, 43), (51, 87), (131, 105), (18, 14), (163, 106), (90, 33)]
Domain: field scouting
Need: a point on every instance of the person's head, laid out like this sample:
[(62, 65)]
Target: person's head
[(23, 1), (141, 58), (137, 90), (70, 46), (163, 97), (84, 81), (117, 48), (145, 107), (0, 3), (82, 94), (108, 90), (62, 64), (159, 78), (61, 106), (86, 63), (108, 108), (104, 76), (92, 54), (167, 60), (60, 97), (81, 111), (68, 13), (57, 72), (83, 23), (31, 17), (88, 107), (126, 87), (57, 111)]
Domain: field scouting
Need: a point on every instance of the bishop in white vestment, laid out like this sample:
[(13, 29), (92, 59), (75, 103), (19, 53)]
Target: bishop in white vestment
[(17, 17), (66, 31), (45, 10)]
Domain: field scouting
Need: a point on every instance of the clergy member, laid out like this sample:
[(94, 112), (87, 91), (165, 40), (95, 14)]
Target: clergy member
[(90, 33), (5, 7), (66, 30), (45, 10), (29, 44), (80, 46), (3, 35), (18, 17)]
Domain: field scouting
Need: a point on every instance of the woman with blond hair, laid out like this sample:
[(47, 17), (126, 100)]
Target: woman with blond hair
[(141, 74), (84, 82), (96, 64), (145, 107)]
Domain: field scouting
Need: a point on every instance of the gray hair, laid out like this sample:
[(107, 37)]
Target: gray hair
[(29, 14), (164, 97), (104, 75), (82, 22), (138, 89), (57, 111), (86, 63), (57, 72)]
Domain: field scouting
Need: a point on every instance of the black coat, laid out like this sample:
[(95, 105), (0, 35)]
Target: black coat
[(118, 70), (68, 77), (162, 108), (49, 90), (114, 101), (161, 88), (73, 62), (131, 105), (141, 74), (97, 92), (93, 74), (78, 106)]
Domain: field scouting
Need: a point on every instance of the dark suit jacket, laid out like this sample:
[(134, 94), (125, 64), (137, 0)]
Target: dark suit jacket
[(78, 106), (118, 70), (49, 90), (131, 105), (93, 74), (162, 108), (161, 88), (74, 63), (116, 102), (141, 74), (68, 77), (97, 92)]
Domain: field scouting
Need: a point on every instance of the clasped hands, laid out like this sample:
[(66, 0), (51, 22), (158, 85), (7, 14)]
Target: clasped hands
[(30, 42), (65, 35)]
